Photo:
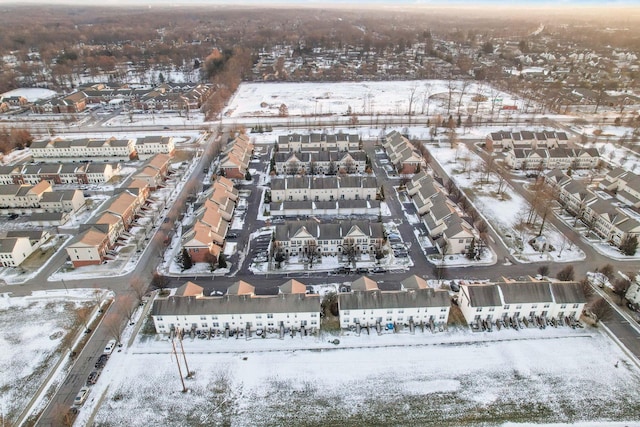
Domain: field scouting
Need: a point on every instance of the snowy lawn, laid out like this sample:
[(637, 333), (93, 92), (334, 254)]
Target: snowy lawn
[(503, 211), (444, 379), (34, 335), (384, 97)]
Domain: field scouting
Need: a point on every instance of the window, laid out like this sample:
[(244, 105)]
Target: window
[(389, 311), (563, 306), (518, 307), (492, 309), (258, 316), (506, 307), (346, 312), (313, 322), (269, 316), (203, 317), (443, 309), (479, 309), (441, 316), (215, 324), (534, 306), (159, 318), (576, 305)]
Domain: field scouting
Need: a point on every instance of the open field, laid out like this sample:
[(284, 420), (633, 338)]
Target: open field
[(452, 378)]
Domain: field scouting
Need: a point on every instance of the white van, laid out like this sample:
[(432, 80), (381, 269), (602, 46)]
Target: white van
[(81, 397), (110, 346)]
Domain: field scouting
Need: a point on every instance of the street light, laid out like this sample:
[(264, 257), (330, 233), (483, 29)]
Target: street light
[(65, 285)]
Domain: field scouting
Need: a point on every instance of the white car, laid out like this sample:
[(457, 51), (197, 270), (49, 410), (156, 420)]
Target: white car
[(110, 346), (81, 397)]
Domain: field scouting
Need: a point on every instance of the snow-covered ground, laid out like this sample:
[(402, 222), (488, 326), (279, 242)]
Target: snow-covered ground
[(529, 376), (162, 119), (31, 94), (33, 337), (502, 212), (388, 97)]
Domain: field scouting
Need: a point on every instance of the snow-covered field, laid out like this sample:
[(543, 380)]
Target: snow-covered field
[(32, 339), (446, 379), (391, 97), (161, 119)]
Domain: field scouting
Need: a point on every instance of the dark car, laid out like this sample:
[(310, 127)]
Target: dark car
[(93, 377), (362, 270), (232, 236), (102, 360)]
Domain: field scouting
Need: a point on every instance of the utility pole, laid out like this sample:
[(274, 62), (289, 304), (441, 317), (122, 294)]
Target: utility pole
[(184, 388), (184, 356)]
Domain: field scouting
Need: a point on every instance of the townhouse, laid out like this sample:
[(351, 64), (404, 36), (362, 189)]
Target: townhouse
[(444, 221), (205, 238), (39, 198), (352, 237), (320, 162), (542, 158), (76, 150), (240, 309), (235, 158), (335, 207), (414, 304), (323, 188), (14, 250), (402, 154), (527, 140), (147, 146), (624, 185), (317, 142), (608, 218), (517, 300), (88, 248)]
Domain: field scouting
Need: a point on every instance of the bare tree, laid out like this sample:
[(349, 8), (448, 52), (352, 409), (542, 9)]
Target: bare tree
[(139, 289), (601, 309), (463, 89), (113, 322), (412, 94)]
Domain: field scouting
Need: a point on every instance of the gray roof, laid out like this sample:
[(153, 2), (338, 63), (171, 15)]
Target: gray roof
[(236, 304), (396, 299), (526, 292), (7, 245), (484, 296), (31, 234), (568, 293)]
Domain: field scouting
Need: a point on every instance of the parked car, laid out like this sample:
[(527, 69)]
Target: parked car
[(110, 346), (232, 236), (93, 378), (379, 270), (81, 397), (102, 360), (362, 270)]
